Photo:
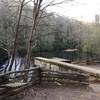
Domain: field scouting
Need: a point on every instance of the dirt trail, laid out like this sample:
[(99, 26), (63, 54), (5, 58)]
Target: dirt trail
[(54, 92)]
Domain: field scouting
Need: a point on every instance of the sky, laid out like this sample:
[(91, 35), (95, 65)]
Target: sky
[(82, 10)]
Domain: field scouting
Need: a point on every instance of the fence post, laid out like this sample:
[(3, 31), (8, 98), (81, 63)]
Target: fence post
[(40, 75)]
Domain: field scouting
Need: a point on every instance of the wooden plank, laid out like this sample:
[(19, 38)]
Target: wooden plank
[(21, 71), (70, 76), (13, 85), (63, 72)]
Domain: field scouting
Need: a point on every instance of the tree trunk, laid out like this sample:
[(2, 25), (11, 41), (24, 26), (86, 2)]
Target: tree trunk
[(36, 10), (16, 36)]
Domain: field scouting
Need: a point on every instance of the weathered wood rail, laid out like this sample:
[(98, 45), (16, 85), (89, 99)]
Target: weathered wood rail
[(13, 82), (63, 78), (79, 73), (14, 76)]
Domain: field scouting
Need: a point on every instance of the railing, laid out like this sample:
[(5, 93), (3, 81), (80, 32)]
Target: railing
[(33, 75), (52, 70), (64, 77), (62, 65), (56, 70), (16, 81)]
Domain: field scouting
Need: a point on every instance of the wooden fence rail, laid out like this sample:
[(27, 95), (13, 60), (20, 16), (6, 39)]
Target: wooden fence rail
[(62, 77), (20, 71), (62, 65), (52, 70), (13, 82), (18, 76)]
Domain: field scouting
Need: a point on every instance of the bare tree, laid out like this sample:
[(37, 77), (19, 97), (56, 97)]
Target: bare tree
[(39, 9), (16, 34), (36, 12)]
